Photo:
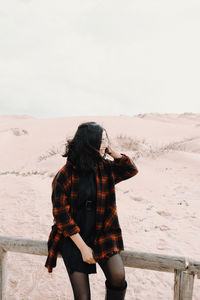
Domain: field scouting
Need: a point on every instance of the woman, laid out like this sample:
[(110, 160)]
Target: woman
[(86, 228)]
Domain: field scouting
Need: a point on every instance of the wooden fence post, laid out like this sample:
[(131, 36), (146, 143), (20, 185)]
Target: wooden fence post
[(183, 285), (3, 271)]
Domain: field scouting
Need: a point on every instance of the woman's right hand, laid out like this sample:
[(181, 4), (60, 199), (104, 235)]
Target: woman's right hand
[(87, 255)]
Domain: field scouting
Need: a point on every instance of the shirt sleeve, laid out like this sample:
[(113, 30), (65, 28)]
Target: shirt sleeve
[(61, 208), (123, 168)]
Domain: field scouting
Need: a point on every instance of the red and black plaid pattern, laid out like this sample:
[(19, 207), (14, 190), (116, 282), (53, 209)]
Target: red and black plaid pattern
[(64, 195)]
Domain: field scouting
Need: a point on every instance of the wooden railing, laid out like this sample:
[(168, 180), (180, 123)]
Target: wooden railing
[(184, 269)]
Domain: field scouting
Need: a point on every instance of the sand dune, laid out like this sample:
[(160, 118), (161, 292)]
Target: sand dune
[(158, 209)]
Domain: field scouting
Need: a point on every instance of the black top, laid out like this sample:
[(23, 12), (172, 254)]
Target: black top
[(86, 216), (86, 220)]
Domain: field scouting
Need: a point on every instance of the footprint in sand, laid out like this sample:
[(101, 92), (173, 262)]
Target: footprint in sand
[(183, 202), (162, 245), (162, 227), (163, 213), (138, 199)]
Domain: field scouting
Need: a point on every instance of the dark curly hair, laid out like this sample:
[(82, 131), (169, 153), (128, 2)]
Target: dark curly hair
[(83, 149)]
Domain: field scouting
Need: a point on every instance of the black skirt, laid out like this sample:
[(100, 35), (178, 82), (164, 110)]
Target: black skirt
[(71, 254)]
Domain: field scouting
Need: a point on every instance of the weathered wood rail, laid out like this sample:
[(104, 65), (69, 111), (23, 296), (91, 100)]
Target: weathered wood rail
[(184, 269)]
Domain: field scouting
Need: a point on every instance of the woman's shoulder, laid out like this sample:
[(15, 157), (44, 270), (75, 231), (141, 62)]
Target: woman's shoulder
[(62, 174)]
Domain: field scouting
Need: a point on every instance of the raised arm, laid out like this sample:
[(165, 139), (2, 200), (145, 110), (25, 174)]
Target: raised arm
[(122, 167)]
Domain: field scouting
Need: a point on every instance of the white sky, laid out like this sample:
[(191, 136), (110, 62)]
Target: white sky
[(71, 58)]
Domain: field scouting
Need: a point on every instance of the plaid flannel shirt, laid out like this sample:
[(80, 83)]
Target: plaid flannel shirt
[(65, 193)]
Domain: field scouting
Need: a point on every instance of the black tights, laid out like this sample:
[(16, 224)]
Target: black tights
[(114, 272)]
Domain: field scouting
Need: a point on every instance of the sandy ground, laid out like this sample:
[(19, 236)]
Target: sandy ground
[(158, 209)]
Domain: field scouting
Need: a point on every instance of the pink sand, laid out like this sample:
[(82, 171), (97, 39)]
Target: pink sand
[(158, 209)]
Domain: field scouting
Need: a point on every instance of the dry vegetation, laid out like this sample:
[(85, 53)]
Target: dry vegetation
[(142, 148)]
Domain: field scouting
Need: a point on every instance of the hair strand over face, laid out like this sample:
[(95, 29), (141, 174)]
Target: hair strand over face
[(83, 149)]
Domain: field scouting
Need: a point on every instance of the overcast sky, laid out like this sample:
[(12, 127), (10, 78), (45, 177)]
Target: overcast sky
[(72, 58)]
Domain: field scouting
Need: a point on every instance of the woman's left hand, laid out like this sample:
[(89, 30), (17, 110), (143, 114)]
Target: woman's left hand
[(108, 150), (113, 153)]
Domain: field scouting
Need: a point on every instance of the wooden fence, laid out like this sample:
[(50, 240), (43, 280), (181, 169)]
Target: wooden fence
[(184, 269)]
